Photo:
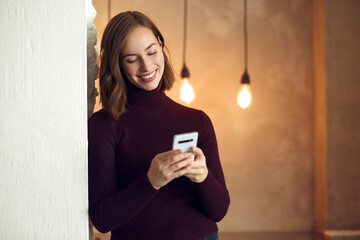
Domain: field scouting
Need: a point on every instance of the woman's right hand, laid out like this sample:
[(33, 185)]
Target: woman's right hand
[(167, 166)]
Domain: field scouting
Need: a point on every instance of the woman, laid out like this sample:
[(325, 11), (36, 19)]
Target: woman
[(138, 187)]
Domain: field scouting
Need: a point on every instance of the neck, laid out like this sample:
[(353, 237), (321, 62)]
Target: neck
[(138, 96)]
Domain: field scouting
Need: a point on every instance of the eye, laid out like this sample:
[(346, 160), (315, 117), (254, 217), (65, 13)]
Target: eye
[(131, 60), (152, 53)]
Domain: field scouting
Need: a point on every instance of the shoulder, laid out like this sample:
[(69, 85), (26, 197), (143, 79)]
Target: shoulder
[(185, 109), (101, 120), (197, 116), (101, 127), (96, 116), (193, 111), (102, 116)]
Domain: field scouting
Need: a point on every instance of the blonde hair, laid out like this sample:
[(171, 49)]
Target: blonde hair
[(112, 84)]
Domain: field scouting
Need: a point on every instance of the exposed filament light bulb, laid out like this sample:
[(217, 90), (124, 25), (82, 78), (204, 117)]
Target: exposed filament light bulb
[(244, 98), (186, 90)]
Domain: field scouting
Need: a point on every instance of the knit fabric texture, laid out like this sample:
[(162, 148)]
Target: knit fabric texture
[(121, 198)]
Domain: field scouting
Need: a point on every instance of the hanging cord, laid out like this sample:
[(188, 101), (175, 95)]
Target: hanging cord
[(109, 10), (245, 79), (185, 30), (245, 35), (185, 72)]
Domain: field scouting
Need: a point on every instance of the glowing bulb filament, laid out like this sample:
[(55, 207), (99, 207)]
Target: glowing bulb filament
[(187, 92), (244, 97)]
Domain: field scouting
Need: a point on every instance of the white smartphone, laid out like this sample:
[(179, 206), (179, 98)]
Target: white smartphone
[(185, 141)]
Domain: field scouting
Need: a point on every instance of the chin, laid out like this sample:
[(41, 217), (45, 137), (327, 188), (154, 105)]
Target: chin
[(151, 86), (148, 88)]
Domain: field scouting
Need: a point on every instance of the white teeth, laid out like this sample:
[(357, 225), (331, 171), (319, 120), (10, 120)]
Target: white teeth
[(149, 76)]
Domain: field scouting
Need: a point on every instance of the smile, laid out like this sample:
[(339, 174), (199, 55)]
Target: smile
[(149, 76)]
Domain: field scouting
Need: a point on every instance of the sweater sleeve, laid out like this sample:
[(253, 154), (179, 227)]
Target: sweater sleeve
[(109, 208), (212, 192)]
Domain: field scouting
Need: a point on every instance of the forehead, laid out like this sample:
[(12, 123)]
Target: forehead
[(138, 40)]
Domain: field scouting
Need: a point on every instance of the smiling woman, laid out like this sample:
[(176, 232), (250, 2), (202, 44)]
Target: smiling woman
[(139, 188), (128, 44)]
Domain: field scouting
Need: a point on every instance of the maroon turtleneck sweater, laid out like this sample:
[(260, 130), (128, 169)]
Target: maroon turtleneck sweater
[(121, 198)]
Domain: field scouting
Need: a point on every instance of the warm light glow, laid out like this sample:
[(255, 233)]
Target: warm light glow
[(187, 92), (244, 97)]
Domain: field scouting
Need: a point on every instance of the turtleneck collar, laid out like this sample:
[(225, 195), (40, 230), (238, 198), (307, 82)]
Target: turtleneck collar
[(138, 96)]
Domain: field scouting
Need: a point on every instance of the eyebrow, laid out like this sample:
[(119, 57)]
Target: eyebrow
[(132, 54)]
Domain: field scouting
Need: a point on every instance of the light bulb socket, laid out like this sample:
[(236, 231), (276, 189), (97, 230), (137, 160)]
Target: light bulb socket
[(245, 79), (185, 72)]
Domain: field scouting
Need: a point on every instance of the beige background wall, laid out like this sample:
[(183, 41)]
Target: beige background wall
[(266, 150), (320, 121), (291, 161), (337, 114)]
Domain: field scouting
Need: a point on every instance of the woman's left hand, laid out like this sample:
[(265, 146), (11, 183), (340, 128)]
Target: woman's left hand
[(199, 171)]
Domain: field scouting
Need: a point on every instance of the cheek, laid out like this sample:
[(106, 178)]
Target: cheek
[(160, 60), (128, 70)]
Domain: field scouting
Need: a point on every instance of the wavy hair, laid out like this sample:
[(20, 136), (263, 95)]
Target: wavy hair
[(112, 83)]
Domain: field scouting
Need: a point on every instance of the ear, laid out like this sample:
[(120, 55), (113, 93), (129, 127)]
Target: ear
[(160, 42)]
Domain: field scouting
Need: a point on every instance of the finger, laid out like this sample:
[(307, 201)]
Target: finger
[(199, 155), (181, 164), (197, 164), (178, 157), (197, 170), (182, 171), (197, 151), (167, 155), (190, 176)]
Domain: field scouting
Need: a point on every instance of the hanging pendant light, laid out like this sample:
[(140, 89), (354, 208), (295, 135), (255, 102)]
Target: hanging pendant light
[(186, 90), (244, 98)]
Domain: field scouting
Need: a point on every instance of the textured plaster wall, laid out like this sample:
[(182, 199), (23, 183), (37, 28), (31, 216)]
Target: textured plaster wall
[(266, 150), (43, 145), (343, 113), (92, 56), (337, 115), (320, 121)]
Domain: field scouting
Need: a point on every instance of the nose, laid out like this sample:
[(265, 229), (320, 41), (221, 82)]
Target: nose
[(145, 65)]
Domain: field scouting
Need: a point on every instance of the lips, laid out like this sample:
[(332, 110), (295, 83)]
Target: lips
[(148, 77)]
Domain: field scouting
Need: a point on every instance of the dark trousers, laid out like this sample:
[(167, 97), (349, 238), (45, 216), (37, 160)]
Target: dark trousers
[(213, 236)]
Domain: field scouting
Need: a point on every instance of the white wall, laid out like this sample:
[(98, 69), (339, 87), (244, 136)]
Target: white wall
[(43, 141)]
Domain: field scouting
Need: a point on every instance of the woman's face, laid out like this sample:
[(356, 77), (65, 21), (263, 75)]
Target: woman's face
[(142, 59)]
